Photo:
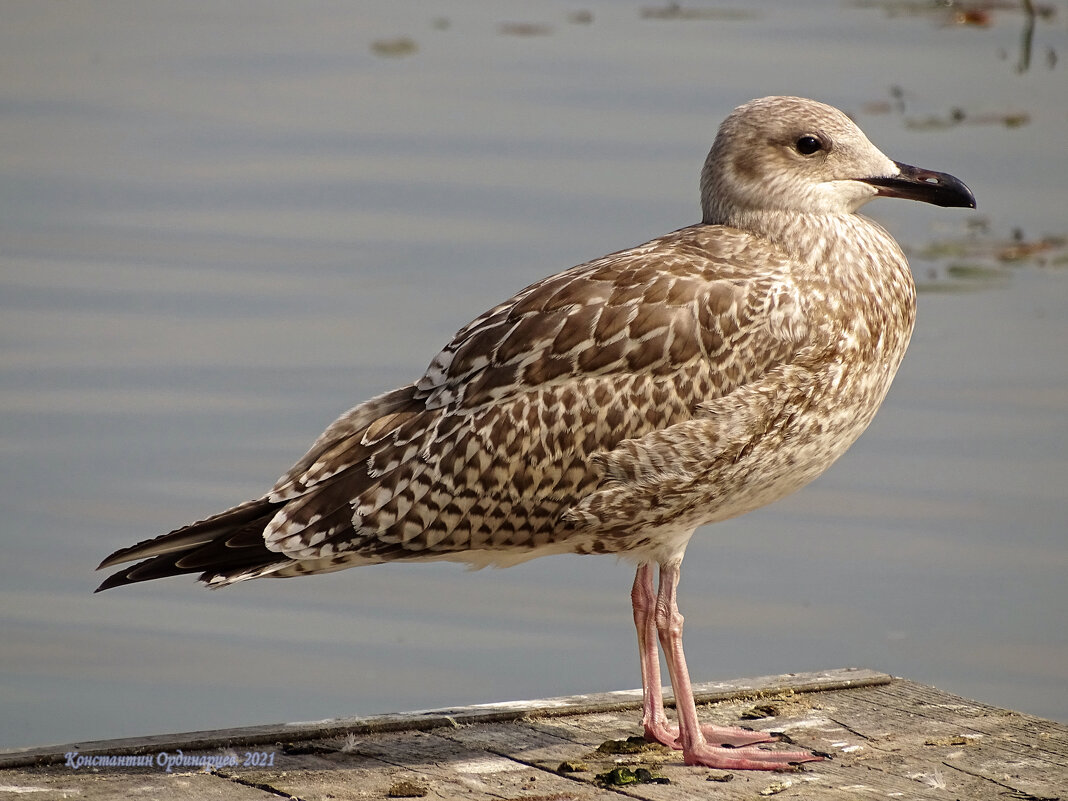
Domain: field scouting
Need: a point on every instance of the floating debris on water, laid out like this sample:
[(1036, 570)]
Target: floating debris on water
[(979, 259), (958, 116), (979, 13), (524, 29), (676, 11), (391, 48)]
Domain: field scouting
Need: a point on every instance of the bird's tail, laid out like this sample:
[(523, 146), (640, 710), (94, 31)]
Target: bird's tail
[(225, 548)]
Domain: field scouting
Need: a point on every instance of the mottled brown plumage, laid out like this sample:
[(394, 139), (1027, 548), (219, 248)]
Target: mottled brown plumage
[(616, 406)]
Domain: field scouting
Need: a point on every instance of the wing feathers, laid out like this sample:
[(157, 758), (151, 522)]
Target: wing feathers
[(589, 379)]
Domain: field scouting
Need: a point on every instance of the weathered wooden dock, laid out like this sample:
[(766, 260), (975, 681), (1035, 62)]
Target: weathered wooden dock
[(887, 738)]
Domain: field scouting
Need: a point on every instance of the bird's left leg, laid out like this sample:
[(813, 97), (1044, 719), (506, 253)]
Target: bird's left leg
[(643, 601), (654, 719), (696, 750)]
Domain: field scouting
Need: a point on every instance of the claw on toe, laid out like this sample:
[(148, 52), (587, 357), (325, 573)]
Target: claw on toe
[(747, 758), (734, 736)]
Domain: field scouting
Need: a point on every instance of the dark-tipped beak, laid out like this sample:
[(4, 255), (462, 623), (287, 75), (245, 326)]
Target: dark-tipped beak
[(914, 183)]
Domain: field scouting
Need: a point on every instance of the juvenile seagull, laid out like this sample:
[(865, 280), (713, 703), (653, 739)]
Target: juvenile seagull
[(615, 407)]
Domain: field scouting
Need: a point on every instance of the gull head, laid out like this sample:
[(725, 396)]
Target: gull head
[(792, 155)]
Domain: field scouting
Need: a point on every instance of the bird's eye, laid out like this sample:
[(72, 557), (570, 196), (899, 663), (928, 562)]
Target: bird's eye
[(808, 144)]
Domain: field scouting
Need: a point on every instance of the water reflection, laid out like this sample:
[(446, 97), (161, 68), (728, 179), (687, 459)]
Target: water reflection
[(980, 259)]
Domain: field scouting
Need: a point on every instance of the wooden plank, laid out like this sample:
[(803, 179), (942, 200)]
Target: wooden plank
[(546, 743), (907, 756), (432, 719), (888, 739), (54, 784), (907, 738), (969, 747), (412, 762)]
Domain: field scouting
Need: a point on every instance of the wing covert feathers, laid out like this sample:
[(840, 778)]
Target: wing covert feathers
[(599, 374)]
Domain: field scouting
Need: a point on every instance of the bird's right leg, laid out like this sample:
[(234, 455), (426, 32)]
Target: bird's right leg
[(654, 719)]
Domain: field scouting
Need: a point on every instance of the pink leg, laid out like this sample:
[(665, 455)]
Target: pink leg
[(695, 749), (654, 719), (643, 599)]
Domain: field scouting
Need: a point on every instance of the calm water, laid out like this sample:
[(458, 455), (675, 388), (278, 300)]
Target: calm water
[(223, 224)]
